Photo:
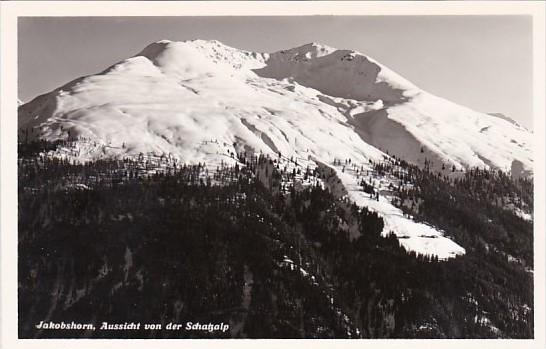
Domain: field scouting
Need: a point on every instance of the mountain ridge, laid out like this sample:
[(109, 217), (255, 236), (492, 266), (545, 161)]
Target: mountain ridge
[(360, 85), (310, 183), (203, 102)]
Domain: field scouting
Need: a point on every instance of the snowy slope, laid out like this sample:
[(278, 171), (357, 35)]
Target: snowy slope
[(175, 97), (413, 236), (449, 134), (201, 100), (150, 100), (337, 73)]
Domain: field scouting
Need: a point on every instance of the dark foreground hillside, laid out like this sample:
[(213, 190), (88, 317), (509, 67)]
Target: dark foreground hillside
[(111, 242)]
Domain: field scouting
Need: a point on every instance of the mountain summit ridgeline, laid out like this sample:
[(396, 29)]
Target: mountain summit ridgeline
[(202, 102), (312, 100)]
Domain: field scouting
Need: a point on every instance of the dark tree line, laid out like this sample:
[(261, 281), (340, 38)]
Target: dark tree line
[(113, 240), (478, 211)]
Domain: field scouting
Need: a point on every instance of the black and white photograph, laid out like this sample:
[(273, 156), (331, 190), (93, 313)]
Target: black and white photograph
[(277, 177)]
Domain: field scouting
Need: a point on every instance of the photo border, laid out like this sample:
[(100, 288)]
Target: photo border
[(10, 11)]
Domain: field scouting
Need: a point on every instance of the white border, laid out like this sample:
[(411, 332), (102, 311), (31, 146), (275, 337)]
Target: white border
[(8, 170)]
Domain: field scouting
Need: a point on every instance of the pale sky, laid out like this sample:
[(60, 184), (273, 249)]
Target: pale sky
[(482, 62)]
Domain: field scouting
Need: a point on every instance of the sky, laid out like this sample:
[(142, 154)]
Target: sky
[(482, 62)]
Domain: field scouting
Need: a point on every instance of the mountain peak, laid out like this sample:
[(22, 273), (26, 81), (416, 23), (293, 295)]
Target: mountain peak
[(307, 51), (201, 102), (156, 48), (174, 84)]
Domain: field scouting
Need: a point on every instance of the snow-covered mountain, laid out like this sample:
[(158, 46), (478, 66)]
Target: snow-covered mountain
[(173, 95), (200, 100)]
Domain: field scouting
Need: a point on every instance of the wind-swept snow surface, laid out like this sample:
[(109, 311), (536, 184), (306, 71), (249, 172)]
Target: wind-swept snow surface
[(201, 101)]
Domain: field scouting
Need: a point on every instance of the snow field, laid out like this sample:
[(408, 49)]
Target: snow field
[(413, 236)]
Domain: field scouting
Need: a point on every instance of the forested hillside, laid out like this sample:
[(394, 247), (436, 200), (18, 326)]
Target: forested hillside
[(156, 241)]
